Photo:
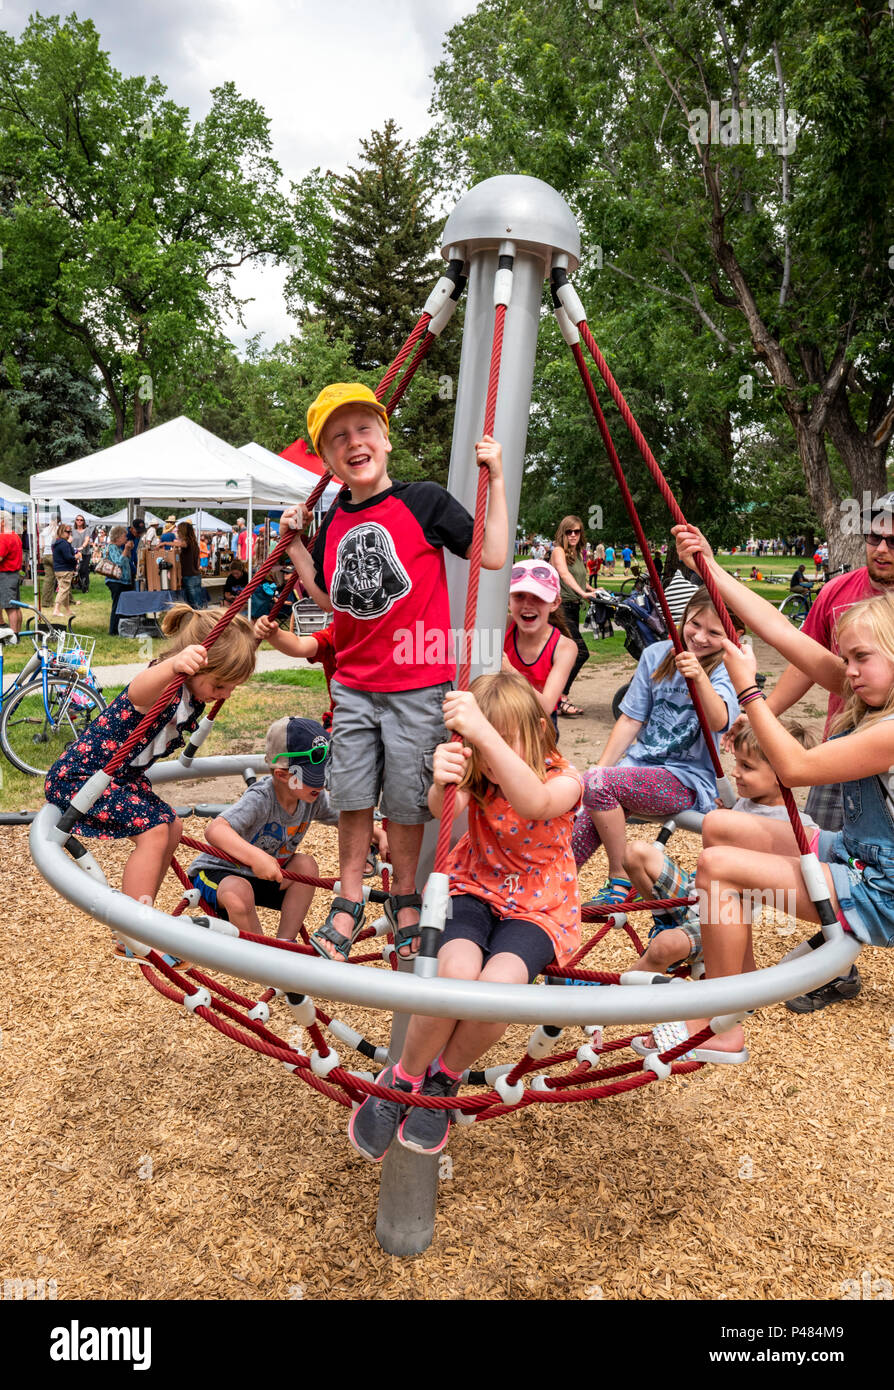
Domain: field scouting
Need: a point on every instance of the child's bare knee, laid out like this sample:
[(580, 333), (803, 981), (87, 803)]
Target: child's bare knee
[(636, 853)]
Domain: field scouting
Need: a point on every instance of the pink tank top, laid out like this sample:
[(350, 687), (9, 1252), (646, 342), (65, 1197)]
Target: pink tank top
[(538, 671)]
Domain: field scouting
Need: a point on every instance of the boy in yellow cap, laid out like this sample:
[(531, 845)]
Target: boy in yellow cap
[(378, 565)]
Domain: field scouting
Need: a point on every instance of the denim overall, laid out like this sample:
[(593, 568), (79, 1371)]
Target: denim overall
[(861, 858)]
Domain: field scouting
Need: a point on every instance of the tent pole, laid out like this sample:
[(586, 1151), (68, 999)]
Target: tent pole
[(251, 534)]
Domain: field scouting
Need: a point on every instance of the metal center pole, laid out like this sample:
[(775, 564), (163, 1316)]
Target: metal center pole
[(533, 215)]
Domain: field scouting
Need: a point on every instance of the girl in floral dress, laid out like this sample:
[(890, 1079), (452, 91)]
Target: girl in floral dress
[(129, 808)]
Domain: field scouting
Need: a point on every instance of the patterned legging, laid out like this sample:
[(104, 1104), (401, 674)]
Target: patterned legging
[(643, 791)]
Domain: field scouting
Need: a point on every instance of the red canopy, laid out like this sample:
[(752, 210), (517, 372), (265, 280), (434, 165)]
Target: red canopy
[(300, 454)]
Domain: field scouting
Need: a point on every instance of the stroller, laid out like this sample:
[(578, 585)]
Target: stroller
[(638, 615)]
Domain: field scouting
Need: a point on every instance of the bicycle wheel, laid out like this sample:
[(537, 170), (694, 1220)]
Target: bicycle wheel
[(627, 586), (794, 608), (33, 734)]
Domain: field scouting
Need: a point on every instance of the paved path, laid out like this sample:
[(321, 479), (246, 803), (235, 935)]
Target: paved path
[(268, 660)]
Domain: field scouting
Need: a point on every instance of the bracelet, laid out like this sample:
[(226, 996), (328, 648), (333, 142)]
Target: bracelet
[(752, 695), (745, 690)]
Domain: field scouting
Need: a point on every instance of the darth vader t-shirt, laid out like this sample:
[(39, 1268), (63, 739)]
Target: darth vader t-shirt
[(382, 564)]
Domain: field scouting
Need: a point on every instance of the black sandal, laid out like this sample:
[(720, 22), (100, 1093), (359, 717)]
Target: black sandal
[(403, 936), (327, 931)]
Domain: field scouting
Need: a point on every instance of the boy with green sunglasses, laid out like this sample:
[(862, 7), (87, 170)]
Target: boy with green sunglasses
[(263, 831)]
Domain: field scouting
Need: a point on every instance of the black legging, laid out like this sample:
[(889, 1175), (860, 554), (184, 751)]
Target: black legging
[(571, 613)]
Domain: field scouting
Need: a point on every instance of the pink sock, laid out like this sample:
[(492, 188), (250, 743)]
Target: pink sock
[(415, 1081), (439, 1065)]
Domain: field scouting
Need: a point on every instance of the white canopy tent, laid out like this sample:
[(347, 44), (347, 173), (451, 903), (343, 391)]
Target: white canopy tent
[(175, 463), (291, 471), (204, 521), (122, 518)]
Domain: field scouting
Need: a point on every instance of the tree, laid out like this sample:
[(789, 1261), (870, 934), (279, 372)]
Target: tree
[(60, 411), (16, 453), (120, 224), (717, 159), (378, 245)]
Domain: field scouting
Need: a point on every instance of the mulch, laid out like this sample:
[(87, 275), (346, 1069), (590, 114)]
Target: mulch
[(144, 1156)]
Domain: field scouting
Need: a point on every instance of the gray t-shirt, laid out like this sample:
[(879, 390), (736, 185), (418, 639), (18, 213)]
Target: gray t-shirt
[(258, 817), (755, 808)]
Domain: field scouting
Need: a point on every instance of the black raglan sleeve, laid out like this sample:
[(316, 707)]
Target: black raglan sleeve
[(444, 521)]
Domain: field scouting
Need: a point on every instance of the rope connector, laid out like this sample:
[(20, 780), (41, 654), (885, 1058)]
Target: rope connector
[(503, 277), (510, 1095), (302, 1008), (200, 1000), (542, 1041), (322, 1066), (566, 295)]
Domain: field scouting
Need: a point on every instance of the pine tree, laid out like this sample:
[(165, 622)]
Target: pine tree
[(383, 265)]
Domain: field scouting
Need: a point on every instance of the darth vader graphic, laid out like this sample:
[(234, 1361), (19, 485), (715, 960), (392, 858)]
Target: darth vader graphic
[(368, 576)]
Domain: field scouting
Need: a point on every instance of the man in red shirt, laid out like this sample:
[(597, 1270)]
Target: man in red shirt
[(834, 598), (10, 571)]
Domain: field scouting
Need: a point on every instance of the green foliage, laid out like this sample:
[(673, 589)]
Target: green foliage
[(59, 411), (708, 267), (16, 453), (122, 224)]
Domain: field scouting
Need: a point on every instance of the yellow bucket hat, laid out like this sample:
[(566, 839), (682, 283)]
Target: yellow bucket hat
[(338, 394)]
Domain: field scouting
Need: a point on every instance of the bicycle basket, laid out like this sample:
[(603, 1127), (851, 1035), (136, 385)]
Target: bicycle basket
[(75, 651)]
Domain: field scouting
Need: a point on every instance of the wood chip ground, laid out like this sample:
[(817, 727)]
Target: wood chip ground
[(146, 1157)]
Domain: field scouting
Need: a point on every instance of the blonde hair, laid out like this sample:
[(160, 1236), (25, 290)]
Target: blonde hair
[(231, 659), (700, 600), (877, 614), (508, 702), (746, 739)]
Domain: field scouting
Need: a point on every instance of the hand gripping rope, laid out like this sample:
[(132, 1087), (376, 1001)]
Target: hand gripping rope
[(572, 322)]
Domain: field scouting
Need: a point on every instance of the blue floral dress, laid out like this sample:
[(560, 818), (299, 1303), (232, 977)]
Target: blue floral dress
[(128, 806)]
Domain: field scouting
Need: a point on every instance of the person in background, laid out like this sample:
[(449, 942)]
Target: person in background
[(10, 571), (80, 539), (236, 580), (169, 534), (48, 586), (568, 558), (65, 564), (188, 546), (118, 549)]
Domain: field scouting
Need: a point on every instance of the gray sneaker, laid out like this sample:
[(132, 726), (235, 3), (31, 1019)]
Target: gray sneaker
[(427, 1131), (374, 1123)]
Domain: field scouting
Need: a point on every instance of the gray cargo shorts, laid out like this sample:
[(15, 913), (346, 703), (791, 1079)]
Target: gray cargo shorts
[(382, 747)]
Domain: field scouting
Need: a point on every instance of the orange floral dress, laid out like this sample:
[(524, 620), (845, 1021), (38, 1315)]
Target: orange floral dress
[(522, 868)]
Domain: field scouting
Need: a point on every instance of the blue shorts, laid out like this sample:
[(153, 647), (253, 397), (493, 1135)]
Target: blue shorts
[(473, 920), (865, 894)]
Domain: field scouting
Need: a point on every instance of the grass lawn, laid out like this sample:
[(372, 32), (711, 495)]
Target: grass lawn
[(91, 618), (239, 728)]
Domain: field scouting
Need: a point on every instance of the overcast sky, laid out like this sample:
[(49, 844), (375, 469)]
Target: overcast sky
[(327, 72)]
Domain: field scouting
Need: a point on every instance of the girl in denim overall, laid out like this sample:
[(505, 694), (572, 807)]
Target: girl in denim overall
[(754, 853)]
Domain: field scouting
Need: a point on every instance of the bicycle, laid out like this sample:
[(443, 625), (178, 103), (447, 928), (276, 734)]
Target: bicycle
[(50, 701), (796, 605)]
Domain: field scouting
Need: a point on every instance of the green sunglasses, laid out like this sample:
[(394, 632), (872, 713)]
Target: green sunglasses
[(318, 754)]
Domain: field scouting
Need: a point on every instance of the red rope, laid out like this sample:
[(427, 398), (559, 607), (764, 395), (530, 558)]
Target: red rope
[(664, 488), (400, 359), (448, 809)]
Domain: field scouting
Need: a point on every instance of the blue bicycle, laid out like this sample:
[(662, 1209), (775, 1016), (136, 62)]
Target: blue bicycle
[(51, 700)]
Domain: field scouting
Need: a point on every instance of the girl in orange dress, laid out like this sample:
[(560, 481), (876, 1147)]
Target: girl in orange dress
[(513, 890)]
